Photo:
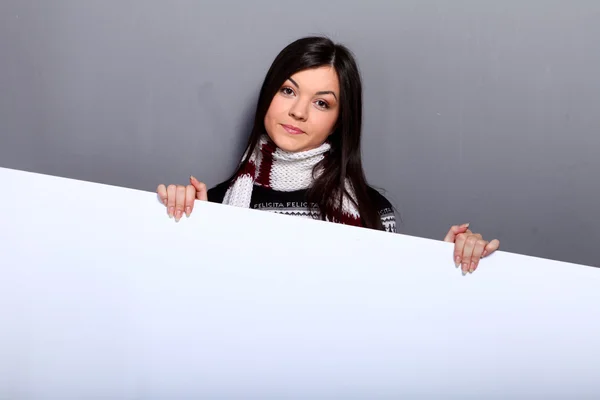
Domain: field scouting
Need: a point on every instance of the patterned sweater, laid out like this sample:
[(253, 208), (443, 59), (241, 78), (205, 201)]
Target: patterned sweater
[(294, 203)]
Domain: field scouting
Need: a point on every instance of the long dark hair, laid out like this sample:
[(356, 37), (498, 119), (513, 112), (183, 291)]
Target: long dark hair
[(344, 159)]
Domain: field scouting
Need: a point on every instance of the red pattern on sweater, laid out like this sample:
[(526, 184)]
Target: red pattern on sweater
[(264, 173), (248, 169)]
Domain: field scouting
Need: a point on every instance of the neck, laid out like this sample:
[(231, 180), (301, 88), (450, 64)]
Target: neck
[(283, 170)]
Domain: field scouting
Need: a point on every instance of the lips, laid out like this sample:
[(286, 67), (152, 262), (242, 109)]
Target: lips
[(292, 129)]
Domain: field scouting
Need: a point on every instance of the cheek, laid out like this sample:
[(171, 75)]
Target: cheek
[(276, 107), (324, 123), (268, 118), (273, 115)]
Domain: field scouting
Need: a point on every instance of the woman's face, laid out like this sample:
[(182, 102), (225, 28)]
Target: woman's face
[(305, 110)]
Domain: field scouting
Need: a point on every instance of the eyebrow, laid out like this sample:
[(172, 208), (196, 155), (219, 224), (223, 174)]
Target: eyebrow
[(319, 93)]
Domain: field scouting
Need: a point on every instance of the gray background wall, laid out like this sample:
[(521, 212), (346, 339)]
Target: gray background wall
[(480, 111)]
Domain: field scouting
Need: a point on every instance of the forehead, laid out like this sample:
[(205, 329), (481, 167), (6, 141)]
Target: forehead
[(318, 79)]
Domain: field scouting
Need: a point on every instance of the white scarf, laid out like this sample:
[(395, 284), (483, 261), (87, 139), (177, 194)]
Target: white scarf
[(284, 171)]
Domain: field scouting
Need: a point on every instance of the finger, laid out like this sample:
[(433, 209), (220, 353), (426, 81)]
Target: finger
[(477, 253), (454, 231), (171, 189), (201, 191), (161, 190), (468, 253), (179, 202), (458, 249), (491, 247), (477, 235), (190, 196)]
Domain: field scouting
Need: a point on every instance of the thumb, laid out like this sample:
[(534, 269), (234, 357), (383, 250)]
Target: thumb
[(201, 192), (454, 231)]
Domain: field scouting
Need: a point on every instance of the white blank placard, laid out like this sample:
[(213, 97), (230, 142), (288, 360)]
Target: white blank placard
[(103, 296)]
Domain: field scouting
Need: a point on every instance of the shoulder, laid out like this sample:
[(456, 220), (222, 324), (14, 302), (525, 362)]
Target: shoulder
[(379, 200), (217, 193), (384, 207)]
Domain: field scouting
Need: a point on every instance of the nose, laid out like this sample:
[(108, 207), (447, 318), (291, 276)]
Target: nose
[(299, 110)]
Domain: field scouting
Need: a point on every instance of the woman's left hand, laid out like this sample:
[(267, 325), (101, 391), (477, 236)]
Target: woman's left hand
[(469, 247)]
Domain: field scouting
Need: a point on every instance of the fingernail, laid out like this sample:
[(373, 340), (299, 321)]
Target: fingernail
[(484, 253), (472, 268), (171, 211), (464, 272), (457, 261), (465, 225), (177, 215), (188, 211), (192, 178), (165, 202)]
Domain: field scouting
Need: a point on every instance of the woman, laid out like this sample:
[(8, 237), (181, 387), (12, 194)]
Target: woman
[(303, 156)]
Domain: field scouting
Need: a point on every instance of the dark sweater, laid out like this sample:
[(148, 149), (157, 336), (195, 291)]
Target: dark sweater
[(294, 203)]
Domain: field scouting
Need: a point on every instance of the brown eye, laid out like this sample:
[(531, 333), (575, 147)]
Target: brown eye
[(287, 91), (322, 104)]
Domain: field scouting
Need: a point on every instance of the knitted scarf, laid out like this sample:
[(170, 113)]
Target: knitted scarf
[(279, 170)]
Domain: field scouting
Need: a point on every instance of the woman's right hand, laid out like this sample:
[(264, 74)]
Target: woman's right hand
[(179, 199)]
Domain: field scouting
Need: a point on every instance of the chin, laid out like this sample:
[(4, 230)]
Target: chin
[(290, 143)]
